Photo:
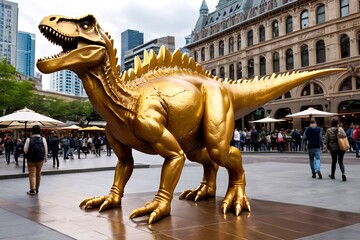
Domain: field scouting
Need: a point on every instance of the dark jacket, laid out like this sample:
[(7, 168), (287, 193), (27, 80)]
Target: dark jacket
[(313, 136)]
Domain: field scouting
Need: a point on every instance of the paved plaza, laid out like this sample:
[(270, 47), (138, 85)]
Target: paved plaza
[(286, 202)]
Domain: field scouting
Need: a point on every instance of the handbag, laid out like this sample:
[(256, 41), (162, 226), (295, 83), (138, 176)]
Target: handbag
[(343, 143)]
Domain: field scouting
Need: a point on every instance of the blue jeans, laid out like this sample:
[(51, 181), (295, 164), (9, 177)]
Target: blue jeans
[(314, 157)]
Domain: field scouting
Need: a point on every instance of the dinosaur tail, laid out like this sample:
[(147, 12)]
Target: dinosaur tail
[(249, 95)]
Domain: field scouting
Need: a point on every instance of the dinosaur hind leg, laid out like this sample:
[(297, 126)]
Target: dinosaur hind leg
[(218, 129), (207, 187)]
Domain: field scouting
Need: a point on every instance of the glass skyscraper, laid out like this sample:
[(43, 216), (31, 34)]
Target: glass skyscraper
[(8, 30), (130, 39), (67, 82), (25, 61)]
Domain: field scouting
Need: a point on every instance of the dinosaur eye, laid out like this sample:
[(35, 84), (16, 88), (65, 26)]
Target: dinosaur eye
[(85, 25)]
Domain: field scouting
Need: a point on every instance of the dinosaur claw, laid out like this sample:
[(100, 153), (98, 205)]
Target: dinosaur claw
[(224, 208), (133, 214), (238, 209)]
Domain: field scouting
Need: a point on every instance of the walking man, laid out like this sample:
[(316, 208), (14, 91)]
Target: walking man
[(313, 139)]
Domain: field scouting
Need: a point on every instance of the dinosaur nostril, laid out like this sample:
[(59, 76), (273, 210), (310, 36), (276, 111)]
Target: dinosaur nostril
[(52, 18)]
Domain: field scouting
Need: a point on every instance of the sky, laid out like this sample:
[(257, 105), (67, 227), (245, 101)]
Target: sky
[(155, 18)]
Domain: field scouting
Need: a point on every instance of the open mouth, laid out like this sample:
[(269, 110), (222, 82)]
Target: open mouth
[(67, 43)]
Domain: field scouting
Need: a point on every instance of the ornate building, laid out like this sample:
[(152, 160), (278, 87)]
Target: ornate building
[(247, 38)]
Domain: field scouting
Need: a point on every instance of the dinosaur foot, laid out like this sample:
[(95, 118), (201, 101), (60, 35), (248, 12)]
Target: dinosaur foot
[(102, 202), (156, 210), (203, 191), (235, 199)]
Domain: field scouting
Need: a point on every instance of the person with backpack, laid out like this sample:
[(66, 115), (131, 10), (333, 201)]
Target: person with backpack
[(9, 148), (36, 151)]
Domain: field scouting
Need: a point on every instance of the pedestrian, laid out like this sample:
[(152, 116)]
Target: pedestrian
[(19, 149), (36, 153), (254, 139), (9, 148), (54, 145), (337, 155), (236, 138), (313, 140), (357, 139), (78, 145), (65, 145)]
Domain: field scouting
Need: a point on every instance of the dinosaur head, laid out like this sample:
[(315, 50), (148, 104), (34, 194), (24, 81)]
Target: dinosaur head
[(81, 39)]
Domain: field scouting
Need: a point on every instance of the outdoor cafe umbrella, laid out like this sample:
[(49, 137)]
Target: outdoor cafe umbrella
[(92, 128), (311, 112), (267, 120), (26, 116)]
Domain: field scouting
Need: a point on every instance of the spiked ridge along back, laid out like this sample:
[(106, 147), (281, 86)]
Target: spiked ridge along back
[(163, 60)]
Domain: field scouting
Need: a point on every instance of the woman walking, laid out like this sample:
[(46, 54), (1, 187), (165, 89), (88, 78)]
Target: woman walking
[(337, 155)]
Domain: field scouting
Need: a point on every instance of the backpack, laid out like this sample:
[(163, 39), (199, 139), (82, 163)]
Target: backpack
[(36, 152)]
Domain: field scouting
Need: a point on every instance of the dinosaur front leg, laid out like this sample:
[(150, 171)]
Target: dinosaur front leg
[(123, 171), (167, 146), (207, 187)]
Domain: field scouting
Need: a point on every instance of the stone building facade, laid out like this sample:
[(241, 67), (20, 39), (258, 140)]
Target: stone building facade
[(247, 38)]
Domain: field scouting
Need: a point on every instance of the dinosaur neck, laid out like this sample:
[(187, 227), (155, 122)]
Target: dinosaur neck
[(105, 90), (252, 94)]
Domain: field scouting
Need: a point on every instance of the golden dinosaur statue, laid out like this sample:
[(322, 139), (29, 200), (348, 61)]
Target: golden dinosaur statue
[(166, 105)]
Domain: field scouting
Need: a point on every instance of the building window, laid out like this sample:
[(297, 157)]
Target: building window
[(231, 44), (358, 40), (262, 66), (239, 42), (320, 14), (357, 82), (203, 54), (231, 71), (320, 52), (251, 68), (289, 24), (345, 46), (222, 72), (346, 85), (221, 48), (262, 33), (304, 18), (344, 8), (276, 62), (306, 90), (289, 59), (239, 70), (287, 95), (195, 56), (275, 28), (213, 72), (318, 89), (304, 56), (250, 38), (212, 52)]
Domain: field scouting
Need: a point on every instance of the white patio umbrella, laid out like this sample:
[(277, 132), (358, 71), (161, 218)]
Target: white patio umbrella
[(267, 120), (71, 127), (311, 112), (26, 116)]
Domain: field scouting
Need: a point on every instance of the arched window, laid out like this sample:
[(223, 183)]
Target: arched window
[(344, 8), (212, 52), (221, 48), (195, 56), (304, 56), (251, 68), (346, 85), (357, 82), (262, 33), (287, 95), (320, 14), (231, 71), (231, 44), (318, 89), (320, 52), (202, 54), (222, 72), (275, 28), (276, 62), (213, 72), (289, 24), (345, 46), (262, 65), (306, 90), (239, 70), (289, 59), (239, 42), (304, 18), (250, 38)]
